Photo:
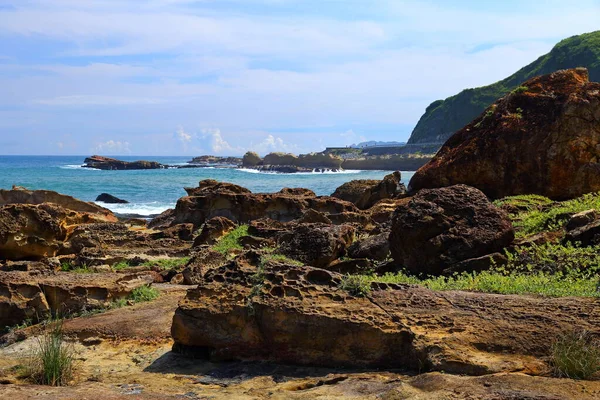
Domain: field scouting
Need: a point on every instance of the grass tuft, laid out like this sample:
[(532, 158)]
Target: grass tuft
[(575, 355), (143, 293), (51, 362), (356, 285)]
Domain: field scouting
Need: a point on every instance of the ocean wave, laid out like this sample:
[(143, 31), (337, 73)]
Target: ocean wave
[(326, 172), (73, 166), (146, 209)]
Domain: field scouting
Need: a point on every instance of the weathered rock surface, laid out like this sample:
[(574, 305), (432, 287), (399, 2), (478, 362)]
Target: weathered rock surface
[(439, 228), (214, 199), (34, 296), (213, 230), (542, 139), (110, 199), (251, 159), (23, 196), (107, 163), (316, 244), (376, 247), (299, 315), (364, 193)]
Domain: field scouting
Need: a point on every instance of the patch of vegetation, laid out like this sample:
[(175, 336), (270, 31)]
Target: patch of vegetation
[(488, 114), (537, 220), (357, 285), (25, 324), (121, 265), (575, 355), (230, 241), (51, 362), (523, 202), (520, 89), (77, 269), (539, 283), (167, 263), (143, 293), (571, 260)]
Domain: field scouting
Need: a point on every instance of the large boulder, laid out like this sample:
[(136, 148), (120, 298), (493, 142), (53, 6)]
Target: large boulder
[(251, 159), (210, 186), (213, 230), (374, 247), (542, 138), (439, 228), (316, 244), (366, 192), (110, 199), (279, 158), (302, 315)]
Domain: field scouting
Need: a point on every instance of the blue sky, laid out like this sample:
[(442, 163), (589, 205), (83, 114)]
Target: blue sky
[(184, 77)]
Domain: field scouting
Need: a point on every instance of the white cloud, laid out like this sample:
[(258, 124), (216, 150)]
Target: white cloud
[(218, 144), (96, 100), (112, 147)]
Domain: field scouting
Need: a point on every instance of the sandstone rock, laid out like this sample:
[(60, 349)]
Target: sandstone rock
[(352, 267), (211, 186), (438, 228), (373, 247), (298, 192), (213, 230), (299, 315), (110, 199), (366, 192), (587, 235), (253, 242), (30, 231), (34, 296), (278, 158), (251, 159), (200, 263), (106, 163), (543, 140), (312, 216), (316, 244), (245, 207), (94, 212), (179, 231)]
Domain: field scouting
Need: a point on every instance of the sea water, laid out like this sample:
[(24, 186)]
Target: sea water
[(153, 191)]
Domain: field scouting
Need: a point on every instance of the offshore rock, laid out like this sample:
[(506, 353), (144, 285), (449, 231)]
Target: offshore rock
[(542, 138), (110, 199), (439, 228), (106, 163)]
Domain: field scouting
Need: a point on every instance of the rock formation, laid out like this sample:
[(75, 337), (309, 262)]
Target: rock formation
[(540, 139), (364, 193), (440, 228), (110, 199), (106, 163)]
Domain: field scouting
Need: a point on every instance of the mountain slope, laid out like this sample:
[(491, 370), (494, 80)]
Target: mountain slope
[(444, 117)]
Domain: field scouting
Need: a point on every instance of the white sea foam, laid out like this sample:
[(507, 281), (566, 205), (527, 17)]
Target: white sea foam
[(326, 172), (73, 166), (145, 209)]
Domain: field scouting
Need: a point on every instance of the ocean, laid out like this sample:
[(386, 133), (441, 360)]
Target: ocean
[(153, 191)]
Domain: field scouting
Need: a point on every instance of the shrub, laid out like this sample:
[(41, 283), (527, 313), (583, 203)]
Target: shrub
[(575, 355), (356, 285), (51, 362), (167, 263), (230, 241), (520, 89)]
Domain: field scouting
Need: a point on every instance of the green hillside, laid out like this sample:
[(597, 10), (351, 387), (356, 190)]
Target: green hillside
[(444, 117)]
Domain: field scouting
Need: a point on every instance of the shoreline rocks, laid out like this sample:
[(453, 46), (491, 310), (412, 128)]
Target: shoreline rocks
[(106, 163)]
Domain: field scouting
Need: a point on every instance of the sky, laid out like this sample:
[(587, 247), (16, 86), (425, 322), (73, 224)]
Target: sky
[(185, 77)]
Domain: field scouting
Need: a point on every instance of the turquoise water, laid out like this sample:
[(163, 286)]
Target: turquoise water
[(153, 191)]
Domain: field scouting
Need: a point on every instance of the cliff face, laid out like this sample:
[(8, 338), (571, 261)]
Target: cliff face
[(444, 117), (543, 138)]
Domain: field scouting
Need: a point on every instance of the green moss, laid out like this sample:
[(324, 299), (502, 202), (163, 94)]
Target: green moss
[(230, 241)]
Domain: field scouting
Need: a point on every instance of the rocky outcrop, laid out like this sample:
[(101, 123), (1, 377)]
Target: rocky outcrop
[(374, 247), (280, 159), (319, 161), (110, 199), (439, 228), (299, 315), (317, 245), (213, 230), (216, 160), (23, 196), (541, 139), (106, 163), (364, 193), (35, 296), (251, 159), (213, 199), (402, 162)]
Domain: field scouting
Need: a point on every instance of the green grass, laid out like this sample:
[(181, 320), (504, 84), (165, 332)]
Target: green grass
[(575, 355), (356, 285), (81, 269), (568, 259), (280, 258), (167, 263), (51, 362), (533, 218), (230, 241), (143, 293), (502, 282), (121, 265)]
